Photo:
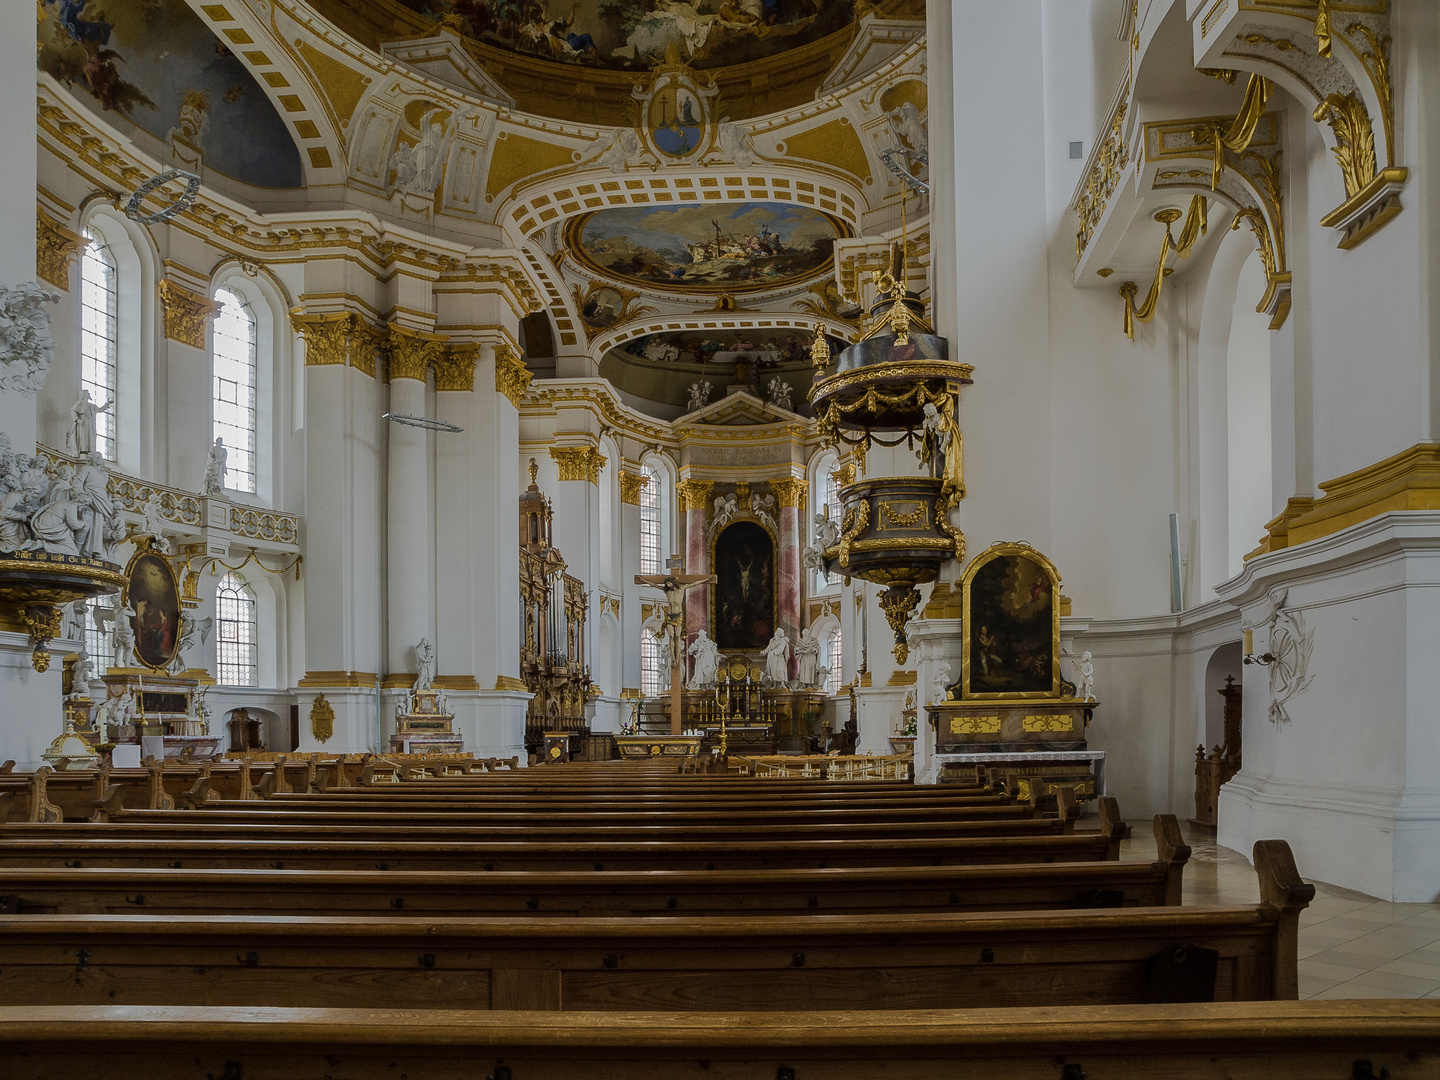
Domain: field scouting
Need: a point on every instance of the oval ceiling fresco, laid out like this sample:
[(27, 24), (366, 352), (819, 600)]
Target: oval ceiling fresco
[(735, 247), (640, 34)]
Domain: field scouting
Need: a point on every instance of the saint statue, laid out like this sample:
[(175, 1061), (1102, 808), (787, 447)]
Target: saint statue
[(83, 414), (215, 468), (944, 446), (425, 659), (777, 659), (807, 657), (707, 660)]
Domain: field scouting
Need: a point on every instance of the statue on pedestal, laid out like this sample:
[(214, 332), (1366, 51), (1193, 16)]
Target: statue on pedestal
[(80, 674), (215, 468), (940, 683), (777, 660), (123, 640), (189, 626), (807, 657), (707, 661), (425, 659), (83, 415)]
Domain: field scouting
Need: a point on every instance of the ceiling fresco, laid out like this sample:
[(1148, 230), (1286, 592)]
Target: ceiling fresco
[(640, 34), (737, 247), (154, 64)]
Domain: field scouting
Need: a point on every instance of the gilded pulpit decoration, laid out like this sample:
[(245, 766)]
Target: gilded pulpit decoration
[(1354, 138), (455, 367), (631, 485), (410, 352), (789, 492), (322, 719), (337, 337), (512, 377), (578, 462), (185, 313), (55, 248)]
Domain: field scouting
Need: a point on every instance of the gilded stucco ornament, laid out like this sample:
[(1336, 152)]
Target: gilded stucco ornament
[(578, 462), (55, 249), (186, 312), (337, 338), (631, 485), (455, 367), (411, 352), (322, 719), (512, 377)]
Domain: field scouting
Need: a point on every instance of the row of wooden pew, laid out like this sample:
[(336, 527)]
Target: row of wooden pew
[(621, 918)]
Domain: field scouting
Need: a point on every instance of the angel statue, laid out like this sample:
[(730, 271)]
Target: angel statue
[(736, 143), (763, 507), (189, 627), (940, 683), (425, 660), (726, 507), (779, 394), (699, 395), (943, 446)]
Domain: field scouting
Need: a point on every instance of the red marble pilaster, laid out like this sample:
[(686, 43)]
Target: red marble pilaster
[(789, 574), (697, 557)]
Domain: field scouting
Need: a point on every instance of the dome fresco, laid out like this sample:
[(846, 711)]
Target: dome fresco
[(154, 64), (641, 34), (734, 247)]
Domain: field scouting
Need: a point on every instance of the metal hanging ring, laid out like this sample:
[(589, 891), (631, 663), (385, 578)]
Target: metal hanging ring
[(192, 188)]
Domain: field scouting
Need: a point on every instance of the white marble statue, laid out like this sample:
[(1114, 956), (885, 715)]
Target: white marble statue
[(706, 655), (153, 524), (101, 517), (189, 627), (25, 342), (83, 416), (425, 664), (779, 394), (726, 507), (827, 532), (807, 658), (736, 143), (420, 168), (123, 637), (777, 660), (940, 683), (75, 620), (215, 468), (763, 507), (619, 150), (80, 674), (119, 711), (656, 627), (1086, 670), (699, 395), (813, 558), (906, 123)]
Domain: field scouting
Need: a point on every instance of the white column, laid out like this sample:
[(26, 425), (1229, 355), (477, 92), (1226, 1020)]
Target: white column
[(409, 560), (17, 180)]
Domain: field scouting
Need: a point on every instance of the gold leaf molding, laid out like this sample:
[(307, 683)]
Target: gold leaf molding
[(631, 484), (694, 494), (55, 248), (790, 492), (578, 462), (185, 313), (512, 378)]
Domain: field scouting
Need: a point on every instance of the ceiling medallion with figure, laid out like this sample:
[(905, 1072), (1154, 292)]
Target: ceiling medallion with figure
[(675, 112)]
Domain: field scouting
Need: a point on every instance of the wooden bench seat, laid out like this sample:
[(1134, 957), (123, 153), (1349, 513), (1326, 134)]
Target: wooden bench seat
[(1270, 1040), (52, 848), (896, 889), (990, 959)]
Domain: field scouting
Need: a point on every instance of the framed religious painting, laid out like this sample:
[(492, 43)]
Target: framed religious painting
[(1011, 642), (743, 602), (151, 603)]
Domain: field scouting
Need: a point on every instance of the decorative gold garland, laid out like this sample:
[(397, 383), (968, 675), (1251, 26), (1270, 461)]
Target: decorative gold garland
[(859, 518)]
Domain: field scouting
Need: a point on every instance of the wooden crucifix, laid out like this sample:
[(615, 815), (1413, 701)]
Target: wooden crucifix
[(675, 585)]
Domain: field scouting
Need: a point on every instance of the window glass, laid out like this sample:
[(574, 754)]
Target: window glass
[(234, 372), (235, 646), (98, 337)]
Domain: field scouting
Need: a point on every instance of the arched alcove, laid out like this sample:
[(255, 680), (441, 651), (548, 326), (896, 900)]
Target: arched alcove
[(1225, 661)]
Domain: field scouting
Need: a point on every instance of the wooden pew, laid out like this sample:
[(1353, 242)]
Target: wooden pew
[(1270, 1040), (894, 889), (990, 959)]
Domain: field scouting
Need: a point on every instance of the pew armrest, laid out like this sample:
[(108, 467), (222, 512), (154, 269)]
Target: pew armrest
[(1171, 850), (1112, 825), (1282, 889)]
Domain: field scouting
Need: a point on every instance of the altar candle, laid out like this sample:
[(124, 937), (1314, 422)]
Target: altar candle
[(1249, 642)]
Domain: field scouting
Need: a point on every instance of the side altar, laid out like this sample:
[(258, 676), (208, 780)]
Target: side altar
[(422, 726), (1011, 712)]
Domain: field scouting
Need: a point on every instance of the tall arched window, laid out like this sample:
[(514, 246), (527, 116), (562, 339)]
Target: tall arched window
[(833, 662), (99, 340), (234, 372), (237, 662), (650, 561), (99, 644)]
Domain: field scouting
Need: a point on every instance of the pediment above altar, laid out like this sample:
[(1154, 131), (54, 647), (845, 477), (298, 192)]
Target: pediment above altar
[(739, 409)]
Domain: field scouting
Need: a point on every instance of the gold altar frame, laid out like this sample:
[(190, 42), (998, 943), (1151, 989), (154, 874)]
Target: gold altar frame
[(143, 554), (989, 555)]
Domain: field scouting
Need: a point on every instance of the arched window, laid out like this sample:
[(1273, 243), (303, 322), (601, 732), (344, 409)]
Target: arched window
[(99, 645), (237, 663), (99, 339), (833, 654), (649, 664), (233, 364), (824, 499), (650, 560)]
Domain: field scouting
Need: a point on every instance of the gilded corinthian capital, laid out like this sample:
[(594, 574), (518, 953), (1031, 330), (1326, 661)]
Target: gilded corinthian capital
[(512, 377), (578, 462), (185, 313), (337, 337), (631, 484), (55, 248), (411, 352), (789, 492), (455, 367), (694, 494)]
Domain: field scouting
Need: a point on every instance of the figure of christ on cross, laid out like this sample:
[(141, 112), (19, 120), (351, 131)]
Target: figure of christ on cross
[(675, 585)]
